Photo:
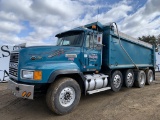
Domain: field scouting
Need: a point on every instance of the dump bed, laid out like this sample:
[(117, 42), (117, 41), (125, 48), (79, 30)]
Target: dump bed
[(126, 52)]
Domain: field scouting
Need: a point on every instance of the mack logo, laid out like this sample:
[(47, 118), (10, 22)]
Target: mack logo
[(13, 65)]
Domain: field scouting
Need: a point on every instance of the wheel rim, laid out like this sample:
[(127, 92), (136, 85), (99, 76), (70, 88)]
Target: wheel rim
[(142, 79), (129, 78), (67, 96), (150, 77), (117, 81)]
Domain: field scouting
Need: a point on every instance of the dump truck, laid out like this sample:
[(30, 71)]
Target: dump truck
[(86, 60)]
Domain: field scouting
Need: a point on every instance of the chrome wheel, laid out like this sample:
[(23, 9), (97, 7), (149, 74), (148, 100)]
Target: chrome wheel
[(67, 96), (150, 77), (117, 81), (130, 78), (142, 79)]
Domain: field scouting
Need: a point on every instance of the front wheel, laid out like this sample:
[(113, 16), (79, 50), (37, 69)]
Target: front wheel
[(63, 96)]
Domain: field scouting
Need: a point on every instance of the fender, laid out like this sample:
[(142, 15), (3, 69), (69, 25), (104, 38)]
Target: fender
[(63, 72)]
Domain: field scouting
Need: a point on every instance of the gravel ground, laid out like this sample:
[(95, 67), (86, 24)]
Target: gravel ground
[(127, 104)]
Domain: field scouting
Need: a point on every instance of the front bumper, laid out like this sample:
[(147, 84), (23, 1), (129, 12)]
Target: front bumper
[(21, 90)]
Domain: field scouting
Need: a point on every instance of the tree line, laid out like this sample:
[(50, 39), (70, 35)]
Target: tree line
[(154, 40)]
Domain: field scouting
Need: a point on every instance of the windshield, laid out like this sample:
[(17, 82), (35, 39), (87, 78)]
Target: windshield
[(70, 39)]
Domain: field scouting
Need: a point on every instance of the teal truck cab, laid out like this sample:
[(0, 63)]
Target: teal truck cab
[(87, 59)]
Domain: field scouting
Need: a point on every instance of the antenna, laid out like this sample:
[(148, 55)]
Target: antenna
[(97, 17), (97, 13)]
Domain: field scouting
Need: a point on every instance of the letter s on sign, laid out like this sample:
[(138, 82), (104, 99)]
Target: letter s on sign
[(6, 50)]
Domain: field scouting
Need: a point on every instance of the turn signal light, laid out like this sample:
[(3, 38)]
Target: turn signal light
[(24, 93), (37, 75), (29, 94)]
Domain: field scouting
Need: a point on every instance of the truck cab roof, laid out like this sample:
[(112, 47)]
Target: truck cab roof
[(88, 27)]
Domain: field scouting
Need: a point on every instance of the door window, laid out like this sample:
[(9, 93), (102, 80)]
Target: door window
[(91, 41), (87, 41)]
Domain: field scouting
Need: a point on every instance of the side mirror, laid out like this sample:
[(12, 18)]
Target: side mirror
[(99, 44), (112, 27)]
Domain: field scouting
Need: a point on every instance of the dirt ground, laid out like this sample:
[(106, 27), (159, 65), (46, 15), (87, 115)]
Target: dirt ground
[(127, 104)]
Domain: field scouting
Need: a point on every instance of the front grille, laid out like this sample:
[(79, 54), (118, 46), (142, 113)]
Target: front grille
[(13, 72), (14, 57), (13, 65)]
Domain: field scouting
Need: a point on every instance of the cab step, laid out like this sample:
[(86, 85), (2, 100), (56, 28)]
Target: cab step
[(98, 90)]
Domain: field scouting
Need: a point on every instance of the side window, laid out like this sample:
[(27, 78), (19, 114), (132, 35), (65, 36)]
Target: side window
[(87, 41), (95, 39), (91, 41)]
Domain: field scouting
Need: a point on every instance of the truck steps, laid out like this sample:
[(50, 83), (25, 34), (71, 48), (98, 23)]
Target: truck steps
[(98, 90)]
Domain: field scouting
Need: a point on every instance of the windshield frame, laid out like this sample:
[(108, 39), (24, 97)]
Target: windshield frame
[(71, 33)]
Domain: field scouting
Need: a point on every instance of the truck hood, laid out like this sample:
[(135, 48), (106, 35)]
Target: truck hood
[(52, 54), (47, 59)]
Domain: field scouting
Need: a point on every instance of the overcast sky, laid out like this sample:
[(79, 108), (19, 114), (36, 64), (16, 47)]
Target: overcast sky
[(38, 21)]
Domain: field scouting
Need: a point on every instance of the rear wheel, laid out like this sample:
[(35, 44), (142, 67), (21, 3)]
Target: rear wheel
[(129, 78), (149, 76), (140, 79), (63, 96), (116, 81)]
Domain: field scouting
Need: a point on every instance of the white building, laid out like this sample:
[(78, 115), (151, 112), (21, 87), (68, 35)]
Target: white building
[(5, 51), (158, 61)]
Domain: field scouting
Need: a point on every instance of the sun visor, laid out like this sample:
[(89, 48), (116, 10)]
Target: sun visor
[(70, 32)]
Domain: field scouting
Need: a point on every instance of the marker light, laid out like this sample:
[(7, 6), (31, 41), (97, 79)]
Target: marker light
[(93, 26), (37, 75), (24, 93), (28, 94)]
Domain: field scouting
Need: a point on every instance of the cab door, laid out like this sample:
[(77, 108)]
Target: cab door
[(92, 53)]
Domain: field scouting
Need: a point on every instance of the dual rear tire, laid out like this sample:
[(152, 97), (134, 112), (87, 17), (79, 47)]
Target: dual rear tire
[(149, 76), (138, 78), (144, 77), (129, 78), (116, 81)]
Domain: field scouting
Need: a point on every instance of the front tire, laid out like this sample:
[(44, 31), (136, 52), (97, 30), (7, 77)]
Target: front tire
[(63, 96)]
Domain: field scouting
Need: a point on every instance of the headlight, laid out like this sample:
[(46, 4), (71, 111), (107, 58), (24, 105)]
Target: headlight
[(27, 74), (34, 75)]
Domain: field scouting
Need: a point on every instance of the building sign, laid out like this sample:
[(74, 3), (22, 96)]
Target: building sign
[(5, 51)]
